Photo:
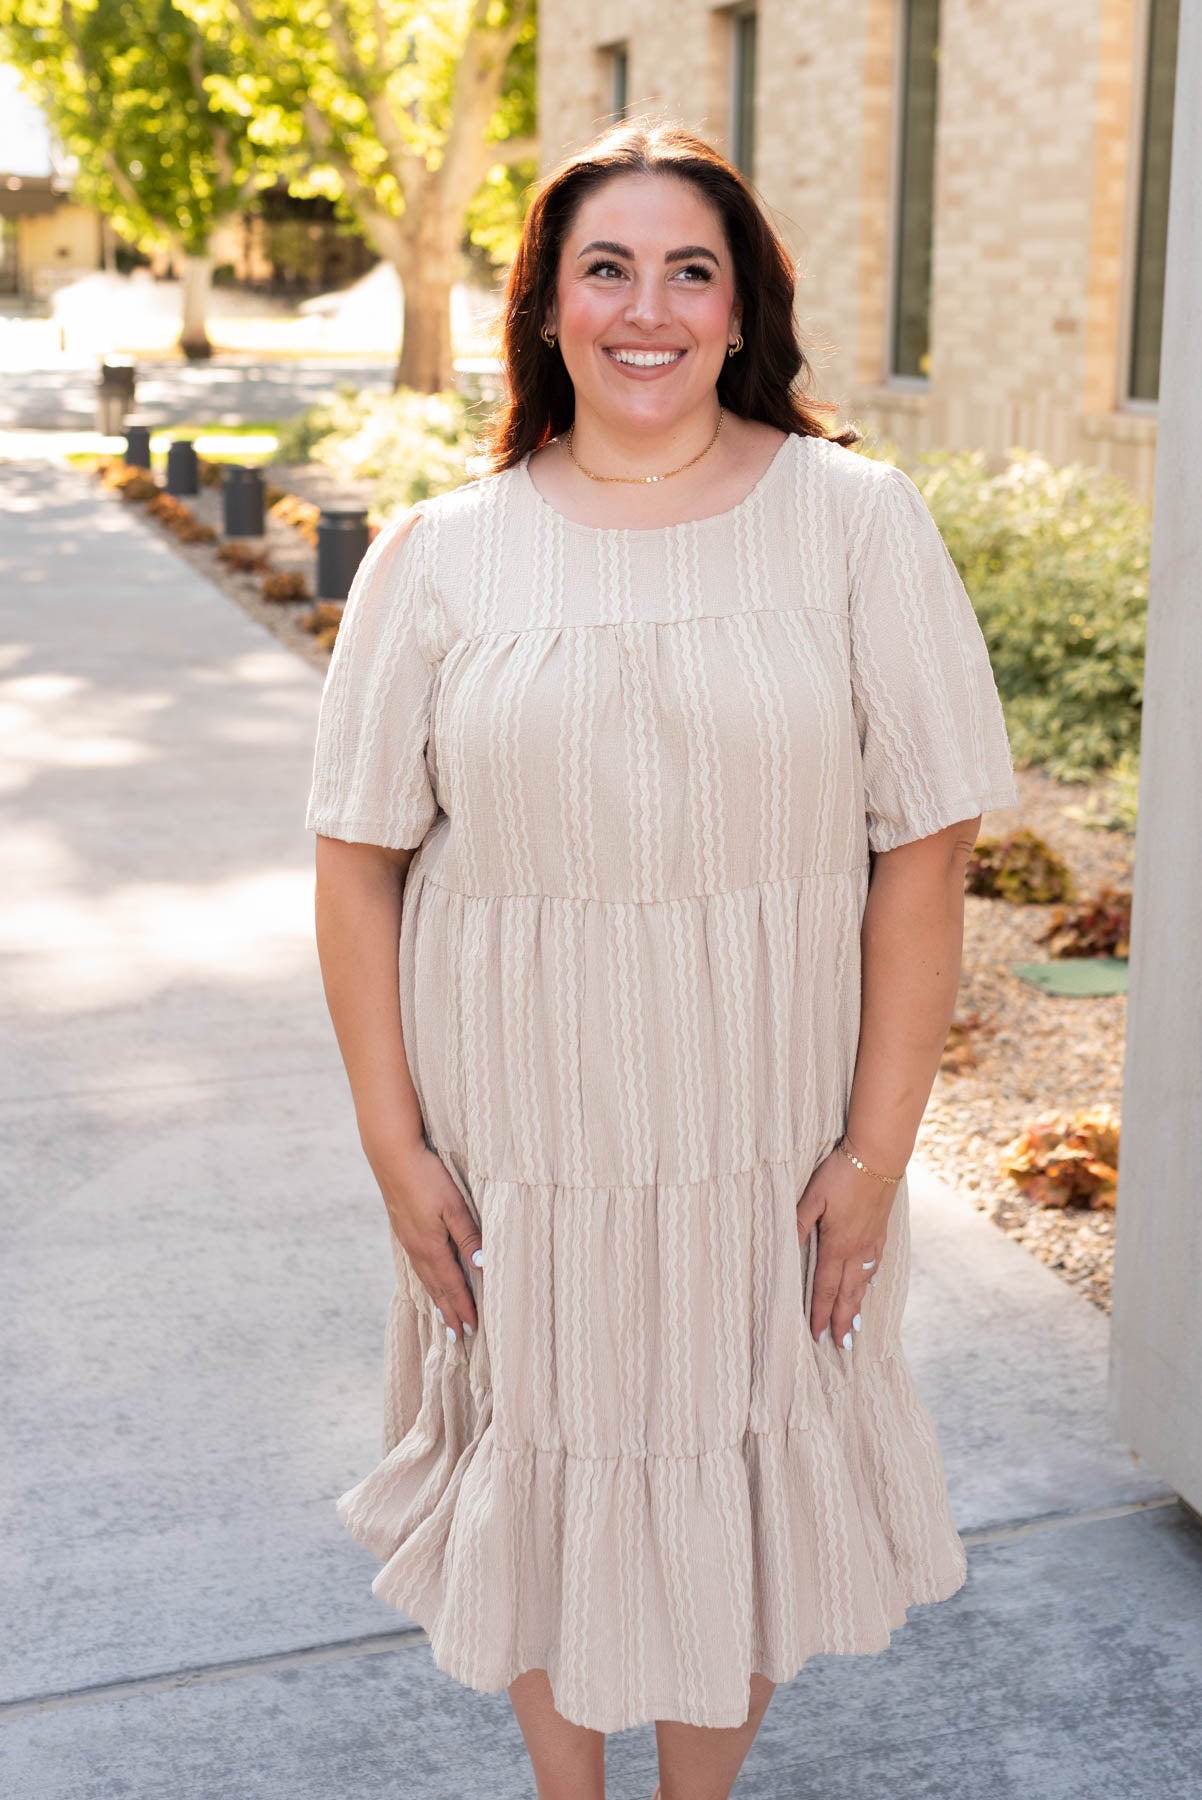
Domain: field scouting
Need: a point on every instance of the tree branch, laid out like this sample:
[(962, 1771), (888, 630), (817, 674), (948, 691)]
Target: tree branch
[(118, 175), (476, 84), (372, 92), (218, 135)]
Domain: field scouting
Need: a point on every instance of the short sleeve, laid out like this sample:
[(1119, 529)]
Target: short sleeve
[(371, 781), (932, 734)]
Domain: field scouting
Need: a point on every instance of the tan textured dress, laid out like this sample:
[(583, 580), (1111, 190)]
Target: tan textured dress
[(644, 768)]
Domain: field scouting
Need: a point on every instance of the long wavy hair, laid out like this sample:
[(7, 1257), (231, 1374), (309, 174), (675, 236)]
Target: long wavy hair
[(770, 379)]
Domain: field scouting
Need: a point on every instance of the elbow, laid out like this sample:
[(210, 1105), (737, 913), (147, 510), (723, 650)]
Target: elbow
[(948, 848)]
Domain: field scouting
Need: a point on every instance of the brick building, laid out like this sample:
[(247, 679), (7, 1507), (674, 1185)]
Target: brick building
[(975, 192)]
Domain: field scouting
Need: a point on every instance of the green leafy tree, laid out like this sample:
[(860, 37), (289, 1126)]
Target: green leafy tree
[(131, 89), (419, 118)]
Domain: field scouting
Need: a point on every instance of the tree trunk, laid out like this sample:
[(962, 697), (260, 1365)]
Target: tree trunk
[(425, 361), (194, 336)]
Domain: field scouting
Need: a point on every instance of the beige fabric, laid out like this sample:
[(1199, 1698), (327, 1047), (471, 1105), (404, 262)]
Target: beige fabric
[(645, 768)]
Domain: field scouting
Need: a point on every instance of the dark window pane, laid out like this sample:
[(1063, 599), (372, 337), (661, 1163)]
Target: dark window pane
[(8, 256), (621, 73), (916, 184), (1148, 296)]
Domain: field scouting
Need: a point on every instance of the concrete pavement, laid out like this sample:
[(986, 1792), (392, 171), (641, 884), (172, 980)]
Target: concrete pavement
[(194, 1280), (228, 390)]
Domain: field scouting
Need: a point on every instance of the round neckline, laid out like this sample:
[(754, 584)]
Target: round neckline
[(653, 530)]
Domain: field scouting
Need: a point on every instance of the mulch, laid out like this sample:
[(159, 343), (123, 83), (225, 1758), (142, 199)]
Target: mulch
[(1037, 1053)]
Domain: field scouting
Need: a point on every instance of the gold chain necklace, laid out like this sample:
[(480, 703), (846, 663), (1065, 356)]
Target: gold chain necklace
[(639, 479)]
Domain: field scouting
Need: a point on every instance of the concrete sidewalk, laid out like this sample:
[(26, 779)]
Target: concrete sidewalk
[(195, 1277)]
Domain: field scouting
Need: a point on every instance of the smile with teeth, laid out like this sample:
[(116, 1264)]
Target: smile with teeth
[(646, 359)]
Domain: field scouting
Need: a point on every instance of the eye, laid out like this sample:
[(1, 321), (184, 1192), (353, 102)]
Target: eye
[(701, 269)]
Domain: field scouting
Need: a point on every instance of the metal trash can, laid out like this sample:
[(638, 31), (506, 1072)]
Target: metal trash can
[(114, 394), (341, 547), (183, 470), (242, 501), (137, 445)]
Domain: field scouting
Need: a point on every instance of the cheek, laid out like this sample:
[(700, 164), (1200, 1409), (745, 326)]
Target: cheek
[(584, 312), (710, 314)]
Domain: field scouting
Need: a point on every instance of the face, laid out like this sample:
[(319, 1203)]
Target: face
[(645, 268)]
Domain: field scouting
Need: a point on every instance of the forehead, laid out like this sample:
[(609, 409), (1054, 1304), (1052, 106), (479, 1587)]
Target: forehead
[(648, 212)]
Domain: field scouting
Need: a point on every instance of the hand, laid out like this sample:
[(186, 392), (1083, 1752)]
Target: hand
[(431, 1219), (851, 1210)]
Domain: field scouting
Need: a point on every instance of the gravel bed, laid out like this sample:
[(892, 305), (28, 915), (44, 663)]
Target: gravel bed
[(1036, 1052)]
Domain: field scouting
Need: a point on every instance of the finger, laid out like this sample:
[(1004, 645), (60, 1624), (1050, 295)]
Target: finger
[(470, 1243), (846, 1319), (828, 1275), (458, 1310), (446, 1285)]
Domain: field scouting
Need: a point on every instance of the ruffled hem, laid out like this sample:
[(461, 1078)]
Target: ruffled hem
[(652, 1586)]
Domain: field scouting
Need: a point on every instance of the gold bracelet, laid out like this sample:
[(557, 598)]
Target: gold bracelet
[(852, 1157)]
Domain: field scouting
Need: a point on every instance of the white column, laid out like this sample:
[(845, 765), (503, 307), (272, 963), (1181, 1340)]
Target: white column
[(1156, 1336)]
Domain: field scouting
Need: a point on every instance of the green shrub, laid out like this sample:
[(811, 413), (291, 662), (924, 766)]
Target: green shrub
[(408, 445), (1056, 562)]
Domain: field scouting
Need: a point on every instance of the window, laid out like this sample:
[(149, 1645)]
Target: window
[(910, 348), (619, 80), (742, 112), (8, 256), (1152, 231)]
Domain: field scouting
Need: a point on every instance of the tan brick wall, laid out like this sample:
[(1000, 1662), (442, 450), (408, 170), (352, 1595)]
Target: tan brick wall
[(56, 247), (1036, 156)]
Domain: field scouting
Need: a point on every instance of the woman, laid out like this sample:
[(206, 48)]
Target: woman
[(647, 769)]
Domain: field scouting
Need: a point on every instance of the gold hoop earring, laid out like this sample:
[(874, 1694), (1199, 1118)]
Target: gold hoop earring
[(547, 336), (733, 349)]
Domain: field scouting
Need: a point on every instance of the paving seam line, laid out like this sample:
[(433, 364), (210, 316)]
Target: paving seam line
[(385, 1643)]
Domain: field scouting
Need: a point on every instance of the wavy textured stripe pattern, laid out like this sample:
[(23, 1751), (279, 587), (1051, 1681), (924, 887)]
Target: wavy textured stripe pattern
[(642, 772)]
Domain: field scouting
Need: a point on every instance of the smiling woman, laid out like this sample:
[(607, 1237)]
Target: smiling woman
[(679, 721)]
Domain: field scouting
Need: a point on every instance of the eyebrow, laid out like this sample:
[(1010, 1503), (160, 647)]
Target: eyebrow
[(669, 256)]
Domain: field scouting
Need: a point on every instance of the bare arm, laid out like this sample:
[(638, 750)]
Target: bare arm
[(911, 942), (359, 888)]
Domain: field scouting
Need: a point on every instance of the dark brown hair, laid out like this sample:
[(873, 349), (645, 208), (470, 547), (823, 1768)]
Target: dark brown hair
[(767, 380)]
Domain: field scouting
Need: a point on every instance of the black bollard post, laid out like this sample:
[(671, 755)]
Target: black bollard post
[(183, 471), (137, 445), (341, 547), (242, 501)]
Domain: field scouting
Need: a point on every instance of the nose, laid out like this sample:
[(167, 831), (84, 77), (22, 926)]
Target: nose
[(648, 305)]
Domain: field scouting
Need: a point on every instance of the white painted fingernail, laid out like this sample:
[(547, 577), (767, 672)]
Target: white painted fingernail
[(826, 1332), (441, 1320), (478, 1258), (451, 1333), (856, 1322), (468, 1330), (873, 1282), (848, 1340)]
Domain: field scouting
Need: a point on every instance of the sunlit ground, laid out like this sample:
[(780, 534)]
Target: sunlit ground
[(106, 314), (85, 447)]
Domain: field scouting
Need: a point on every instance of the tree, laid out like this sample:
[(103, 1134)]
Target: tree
[(420, 118), (129, 89)]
